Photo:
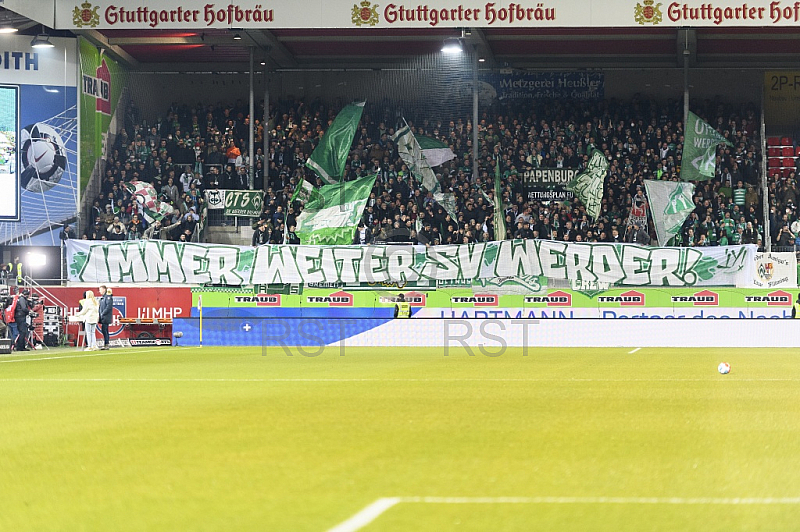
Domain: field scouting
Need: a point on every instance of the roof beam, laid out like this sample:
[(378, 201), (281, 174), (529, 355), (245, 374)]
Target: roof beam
[(101, 41), (484, 50), (280, 56)]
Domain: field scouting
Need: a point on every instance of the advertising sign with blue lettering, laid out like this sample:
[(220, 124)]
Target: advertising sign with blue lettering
[(548, 85)]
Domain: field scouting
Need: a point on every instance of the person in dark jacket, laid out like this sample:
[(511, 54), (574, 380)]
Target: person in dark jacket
[(363, 235), (106, 311), (21, 319)]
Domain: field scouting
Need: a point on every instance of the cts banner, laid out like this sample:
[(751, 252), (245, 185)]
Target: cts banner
[(247, 203), (612, 264)]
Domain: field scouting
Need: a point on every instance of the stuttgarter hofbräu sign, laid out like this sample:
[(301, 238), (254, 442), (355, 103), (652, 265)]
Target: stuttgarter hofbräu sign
[(155, 261), (195, 14)]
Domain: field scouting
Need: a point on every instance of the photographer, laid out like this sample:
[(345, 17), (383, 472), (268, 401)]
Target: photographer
[(785, 237), (21, 319)]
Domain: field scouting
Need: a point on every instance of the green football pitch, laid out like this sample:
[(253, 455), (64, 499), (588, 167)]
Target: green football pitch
[(399, 439)]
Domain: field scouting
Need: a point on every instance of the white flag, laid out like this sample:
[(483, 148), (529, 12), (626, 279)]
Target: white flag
[(670, 203)]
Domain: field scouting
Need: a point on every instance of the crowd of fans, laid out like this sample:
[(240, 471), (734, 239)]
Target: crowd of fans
[(205, 147)]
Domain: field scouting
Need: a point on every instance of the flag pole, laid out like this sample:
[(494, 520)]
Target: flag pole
[(767, 237), (200, 312), (475, 167)]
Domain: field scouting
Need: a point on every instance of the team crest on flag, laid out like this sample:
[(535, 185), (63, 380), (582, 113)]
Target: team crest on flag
[(365, 14), (647, 13), (766, 270)]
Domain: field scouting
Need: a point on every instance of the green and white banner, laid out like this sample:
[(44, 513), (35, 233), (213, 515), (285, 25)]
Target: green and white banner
[(610, 264), (670, 203), (330, 156), (588, 185), (331, 216), (700, 149), (245, 203)]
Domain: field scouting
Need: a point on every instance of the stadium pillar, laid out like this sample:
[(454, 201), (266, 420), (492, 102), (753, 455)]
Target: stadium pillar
[(474, 112), (251, 147), (764, 185), (265, 123), (686, 54)]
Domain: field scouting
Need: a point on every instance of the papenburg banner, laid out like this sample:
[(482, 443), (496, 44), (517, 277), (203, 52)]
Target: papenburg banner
[(548, 184), (615, 264)]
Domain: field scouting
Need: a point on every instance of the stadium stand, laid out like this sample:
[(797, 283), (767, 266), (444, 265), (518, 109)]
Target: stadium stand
[(195, 148)]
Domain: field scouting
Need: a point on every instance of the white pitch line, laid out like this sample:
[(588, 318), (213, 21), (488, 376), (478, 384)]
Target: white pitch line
[(374, 510), (366, 515), (632, 352), (605, 500), (221, 379), (103, 354)]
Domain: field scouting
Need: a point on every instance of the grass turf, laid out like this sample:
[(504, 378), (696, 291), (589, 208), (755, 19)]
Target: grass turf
[(240, 439)]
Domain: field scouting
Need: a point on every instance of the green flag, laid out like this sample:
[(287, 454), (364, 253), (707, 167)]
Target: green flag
[(670, 203), (411, 153), (304, 191), (700, 149), (330, 156), (332, 216), (499, 218), (588, 185), (448, 203), (435, 151)]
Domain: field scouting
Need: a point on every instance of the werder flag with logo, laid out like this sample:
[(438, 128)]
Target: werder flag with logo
[(152, 207), (670, 203), (332, 217), (588, 185), (700, 149), (304, 191), (330, 156), (421, 160), (499, 219), (411, 153)]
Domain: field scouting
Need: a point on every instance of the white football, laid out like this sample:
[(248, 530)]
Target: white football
[(44, 157), (724, 368)]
